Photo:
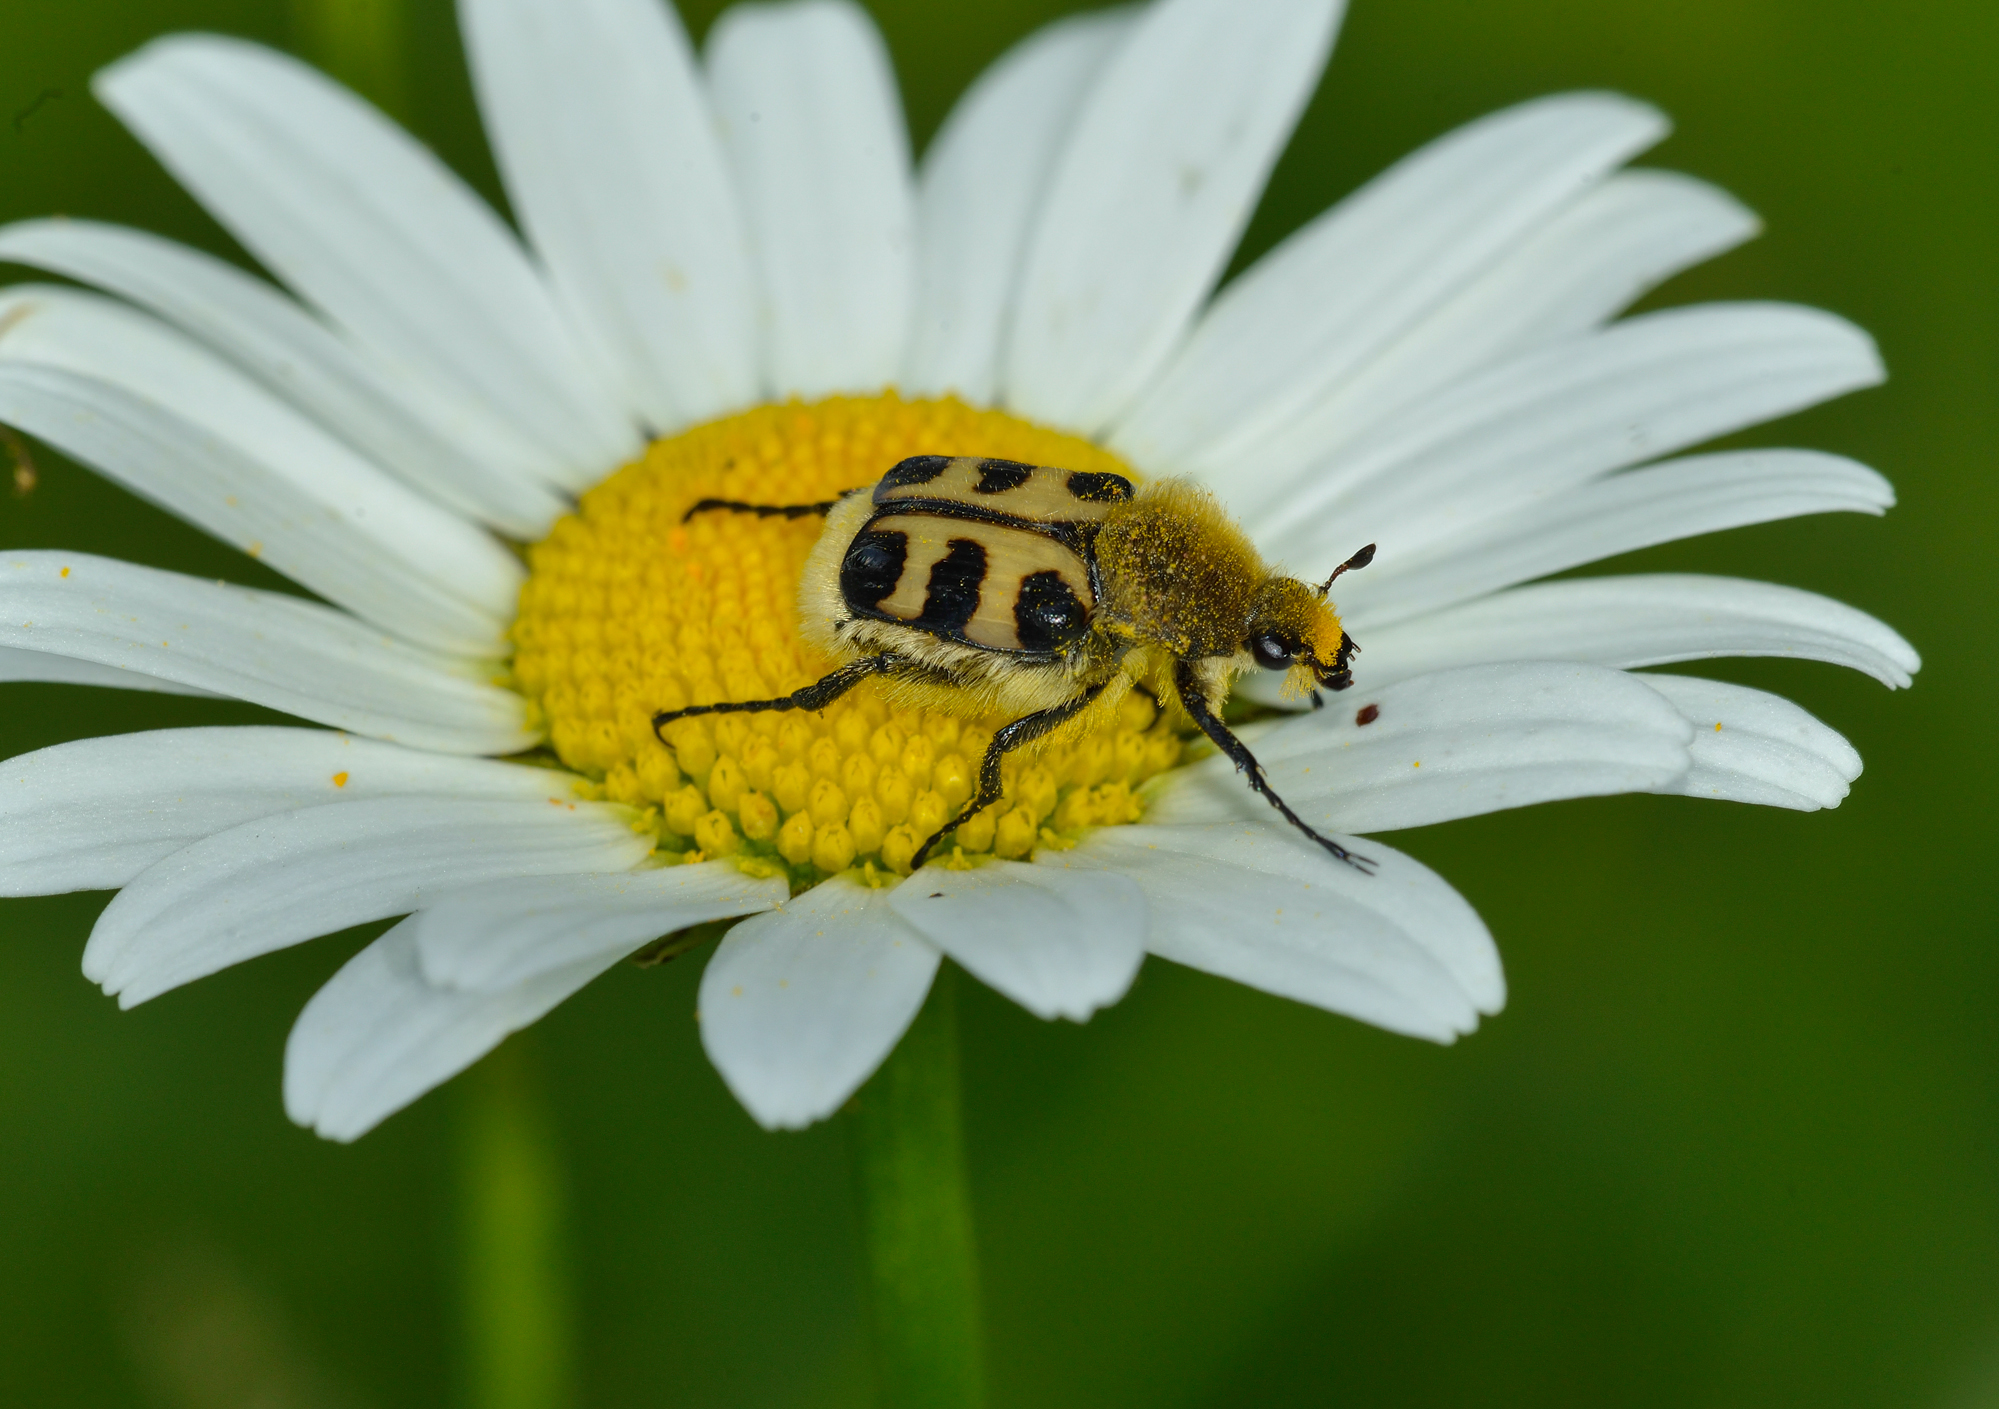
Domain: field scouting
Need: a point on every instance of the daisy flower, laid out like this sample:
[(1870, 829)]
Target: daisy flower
[(473, 445)]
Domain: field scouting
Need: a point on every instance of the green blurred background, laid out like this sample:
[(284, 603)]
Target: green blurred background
[(1735, 1140)]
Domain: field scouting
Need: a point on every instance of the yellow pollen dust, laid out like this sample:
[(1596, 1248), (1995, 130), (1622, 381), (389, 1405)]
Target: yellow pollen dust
[(628, 611)]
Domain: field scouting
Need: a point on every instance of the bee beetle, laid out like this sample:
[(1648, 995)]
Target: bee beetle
[(978, 585)]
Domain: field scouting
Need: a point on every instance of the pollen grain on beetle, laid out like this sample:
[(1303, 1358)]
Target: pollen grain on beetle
[(628, 611)]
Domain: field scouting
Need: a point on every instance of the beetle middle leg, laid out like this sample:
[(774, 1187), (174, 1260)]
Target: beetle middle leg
[(817, 695), (1022, 731)]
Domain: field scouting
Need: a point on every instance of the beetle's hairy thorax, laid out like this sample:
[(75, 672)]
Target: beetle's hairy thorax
[(1175, 574)]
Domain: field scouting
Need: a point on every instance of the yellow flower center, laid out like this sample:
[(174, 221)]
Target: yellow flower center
[(628, 611)]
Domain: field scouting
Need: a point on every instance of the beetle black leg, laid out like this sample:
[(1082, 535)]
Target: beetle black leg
[(1196, 705), (817, 695), (1022, 731), (769, 511)]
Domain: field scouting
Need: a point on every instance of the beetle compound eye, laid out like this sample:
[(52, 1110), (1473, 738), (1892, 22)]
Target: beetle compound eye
[(1270, 653)]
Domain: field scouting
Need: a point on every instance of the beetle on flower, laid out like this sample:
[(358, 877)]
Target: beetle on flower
[(729, 285)]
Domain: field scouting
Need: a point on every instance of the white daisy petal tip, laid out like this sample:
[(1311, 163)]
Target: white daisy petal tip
[(285, 878), (801, 1004), (1632, 620), (1751, 746), (378, 1035), (1660, 503), (1061, 943), (496, 936), (92, 814), (1452, 744), (1253, 901), (1290, 338)]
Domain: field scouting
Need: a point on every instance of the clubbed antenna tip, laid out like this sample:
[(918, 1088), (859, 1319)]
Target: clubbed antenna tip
[(1358, 560)]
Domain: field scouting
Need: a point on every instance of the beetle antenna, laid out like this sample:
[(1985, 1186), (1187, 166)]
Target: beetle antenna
[(1358, 560)]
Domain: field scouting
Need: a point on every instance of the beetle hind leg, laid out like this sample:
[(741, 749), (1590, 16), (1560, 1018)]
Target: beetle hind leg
[(817, 695), (818, 509)]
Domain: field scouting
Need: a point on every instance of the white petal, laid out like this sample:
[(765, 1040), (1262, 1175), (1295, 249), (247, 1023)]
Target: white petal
[(92, 814), (1263, 906), (291, 876), (604, 135), (111, 386), (1321, 304), (19, 665), (1566, 414), (1453, 744), (500, 935), (298, 357), (1060, 942), (1577, 270), (1169, 156), (371, 228), (799, 1006), (377, 1036), (1626, 622), (1750, 746), (813, 128), (1618, 514), (264, 647), (981, 186)]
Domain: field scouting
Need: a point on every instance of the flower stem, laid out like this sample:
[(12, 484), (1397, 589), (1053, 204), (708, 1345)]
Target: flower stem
[(514, 1289), (917, 1217), (359, 42)]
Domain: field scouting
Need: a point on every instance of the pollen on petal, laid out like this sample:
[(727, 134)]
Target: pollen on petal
[(632, 608)]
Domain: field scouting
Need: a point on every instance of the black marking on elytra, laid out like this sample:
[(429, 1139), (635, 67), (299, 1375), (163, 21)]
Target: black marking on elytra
[(955, 582), (873, 566), (1047, 613), (1098, 487), (999, 476), (1074, 536), (917, 469)]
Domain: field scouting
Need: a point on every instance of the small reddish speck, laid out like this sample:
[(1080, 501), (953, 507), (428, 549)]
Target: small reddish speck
[(1368, 714)]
